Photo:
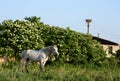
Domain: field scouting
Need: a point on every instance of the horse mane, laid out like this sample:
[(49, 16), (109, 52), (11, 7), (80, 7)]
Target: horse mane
[(48, 49)]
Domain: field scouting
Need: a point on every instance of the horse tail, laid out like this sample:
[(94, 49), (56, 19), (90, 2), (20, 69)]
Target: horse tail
[(23, 59)]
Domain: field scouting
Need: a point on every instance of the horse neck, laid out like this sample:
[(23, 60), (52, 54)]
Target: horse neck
[(48, 50)]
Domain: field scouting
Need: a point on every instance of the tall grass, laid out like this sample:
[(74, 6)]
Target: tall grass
[(57, 72)]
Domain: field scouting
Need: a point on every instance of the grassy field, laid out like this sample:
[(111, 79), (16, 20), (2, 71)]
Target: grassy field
[(55, 72)]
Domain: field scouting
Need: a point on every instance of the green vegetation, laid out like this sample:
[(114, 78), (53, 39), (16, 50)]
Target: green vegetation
[(118, 54), (56, 72), (31, 33), (81, 58)]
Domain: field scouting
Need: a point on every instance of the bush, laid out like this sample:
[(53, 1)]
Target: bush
[(118, 54), (74, 47)]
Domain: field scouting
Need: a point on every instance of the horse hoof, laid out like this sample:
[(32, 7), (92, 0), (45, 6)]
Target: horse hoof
[(27, 71)]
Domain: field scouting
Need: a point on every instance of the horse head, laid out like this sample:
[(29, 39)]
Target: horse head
[(55, 50)]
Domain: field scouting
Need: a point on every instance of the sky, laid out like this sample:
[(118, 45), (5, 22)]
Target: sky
[(105, 14)]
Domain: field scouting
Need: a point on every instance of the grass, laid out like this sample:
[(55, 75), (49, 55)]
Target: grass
[(55, 72)]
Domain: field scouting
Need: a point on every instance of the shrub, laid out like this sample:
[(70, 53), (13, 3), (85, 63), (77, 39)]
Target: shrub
[(118, 54), (74, 47)]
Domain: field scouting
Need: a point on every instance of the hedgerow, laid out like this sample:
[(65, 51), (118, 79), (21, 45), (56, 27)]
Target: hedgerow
[(31, 33)]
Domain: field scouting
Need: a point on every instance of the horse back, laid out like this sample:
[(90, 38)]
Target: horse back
[(32, 54)]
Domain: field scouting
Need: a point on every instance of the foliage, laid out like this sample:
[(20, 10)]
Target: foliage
[(118, 54), (18, 36), (31, 33), (65, 72)]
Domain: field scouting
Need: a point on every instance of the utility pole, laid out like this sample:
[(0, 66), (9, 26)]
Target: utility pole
[(98, 35), (88, 21)]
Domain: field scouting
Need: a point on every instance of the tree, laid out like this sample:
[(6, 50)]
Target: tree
[(18, 36), (74, 47), (118, 54), (33, 19)]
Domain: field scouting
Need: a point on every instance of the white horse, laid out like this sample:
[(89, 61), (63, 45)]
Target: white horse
[(40, 56)]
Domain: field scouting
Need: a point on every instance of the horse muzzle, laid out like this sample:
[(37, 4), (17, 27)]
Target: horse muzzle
[(57, 55)]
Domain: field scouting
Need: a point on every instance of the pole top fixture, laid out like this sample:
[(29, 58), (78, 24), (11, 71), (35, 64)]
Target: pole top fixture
[(88, 20)]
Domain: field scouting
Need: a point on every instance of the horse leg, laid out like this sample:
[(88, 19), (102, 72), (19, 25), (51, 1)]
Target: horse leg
[(22, 63), (26, 65), (42, 65)]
